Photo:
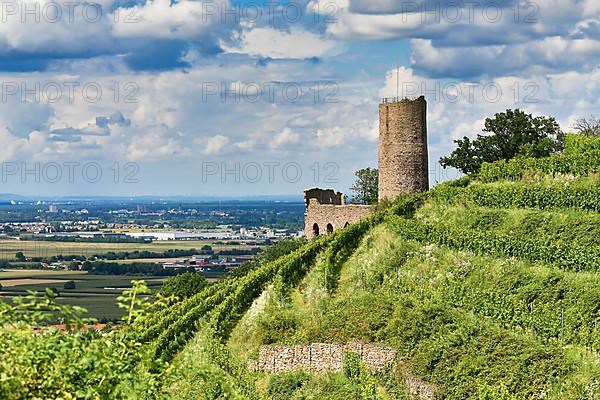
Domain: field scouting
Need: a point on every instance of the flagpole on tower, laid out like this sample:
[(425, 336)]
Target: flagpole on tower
[(397, 82)]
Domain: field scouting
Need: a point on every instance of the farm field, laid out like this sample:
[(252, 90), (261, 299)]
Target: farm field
[(96, 293), (43, 249)]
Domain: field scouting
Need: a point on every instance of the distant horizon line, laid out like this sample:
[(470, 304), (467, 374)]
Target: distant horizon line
[(7, 197)]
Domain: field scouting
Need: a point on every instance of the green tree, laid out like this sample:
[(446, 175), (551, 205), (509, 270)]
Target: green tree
[(271, 253), (365, 186), (183, 285), (513, 133)]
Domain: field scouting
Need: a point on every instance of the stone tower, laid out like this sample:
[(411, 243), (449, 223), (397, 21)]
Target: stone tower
[(403, 160)]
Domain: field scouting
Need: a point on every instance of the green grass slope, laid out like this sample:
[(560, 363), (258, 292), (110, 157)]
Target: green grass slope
[(487, 287)]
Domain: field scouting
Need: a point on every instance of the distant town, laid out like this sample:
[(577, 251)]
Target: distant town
[(89, 250)]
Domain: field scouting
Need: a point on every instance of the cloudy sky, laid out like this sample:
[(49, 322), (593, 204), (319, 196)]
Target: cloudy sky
[(253, 98)]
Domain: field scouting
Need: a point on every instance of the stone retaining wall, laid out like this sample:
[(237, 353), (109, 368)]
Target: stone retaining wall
[(319, 357)]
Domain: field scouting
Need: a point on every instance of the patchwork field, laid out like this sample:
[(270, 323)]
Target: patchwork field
[(8, 248), (97, 293)]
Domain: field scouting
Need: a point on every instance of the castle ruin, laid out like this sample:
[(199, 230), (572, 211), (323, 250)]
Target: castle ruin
[(403, 168), (403, 160)]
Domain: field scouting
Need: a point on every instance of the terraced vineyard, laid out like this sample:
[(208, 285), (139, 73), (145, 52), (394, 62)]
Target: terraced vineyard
[(486, 288)]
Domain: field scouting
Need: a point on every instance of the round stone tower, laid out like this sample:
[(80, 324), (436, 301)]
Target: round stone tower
[(403, 160)]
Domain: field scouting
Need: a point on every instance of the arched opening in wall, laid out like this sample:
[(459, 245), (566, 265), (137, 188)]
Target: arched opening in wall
[(329, 229), (316, 229)]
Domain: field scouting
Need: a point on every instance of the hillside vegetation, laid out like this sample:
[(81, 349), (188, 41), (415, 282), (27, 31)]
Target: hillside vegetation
[(486, 287)]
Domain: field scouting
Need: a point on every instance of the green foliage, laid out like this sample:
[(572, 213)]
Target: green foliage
[(581, 144), (193, 375), (151, 326), (366, 185), (277, 326), (564, 226), (568, 256), (513, 133), (475, 326), (293, 265), (551, 304), (172, 331), (358, 373), (463, 354), (283, 386), (184, 285), (520, 167), (222, 304), (578, 194), (460, 353), (42, 362), (342, 245), (135, 301), (345, 241), (279, 249), (301, 386)]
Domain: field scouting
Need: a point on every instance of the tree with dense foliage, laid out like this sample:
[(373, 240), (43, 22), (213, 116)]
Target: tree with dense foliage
[(365, 186), (279, 249), (513, 133), (184, 285), (588, 126)]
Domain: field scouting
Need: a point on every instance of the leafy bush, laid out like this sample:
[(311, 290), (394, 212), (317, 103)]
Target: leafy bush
[(579, 144), (271, 253), (283, 386), (40, 361), (184, 285), (276, 326), (355, 370)]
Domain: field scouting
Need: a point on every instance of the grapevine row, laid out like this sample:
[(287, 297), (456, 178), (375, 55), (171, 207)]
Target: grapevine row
[(551, 303), (570, 256), (516, 168), (524, 195), (151, 328), (581, 227)]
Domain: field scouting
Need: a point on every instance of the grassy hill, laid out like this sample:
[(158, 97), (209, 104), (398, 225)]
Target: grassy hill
[(487, 288)]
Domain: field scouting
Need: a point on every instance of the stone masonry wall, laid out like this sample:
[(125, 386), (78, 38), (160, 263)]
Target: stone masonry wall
[(403, 157), (324, 196), (337, 215), (319, 357)]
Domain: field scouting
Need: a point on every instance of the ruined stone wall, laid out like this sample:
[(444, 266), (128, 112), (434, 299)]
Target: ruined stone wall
[(403, 157), (319, 357), (336, 216), (324, 196)]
